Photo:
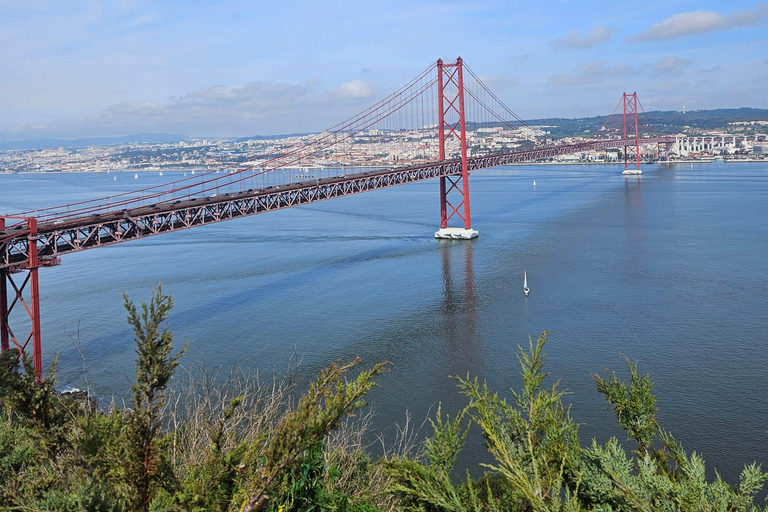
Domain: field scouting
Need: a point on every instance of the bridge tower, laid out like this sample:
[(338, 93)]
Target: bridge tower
[(452, 122), (31, 307), (631, 131)]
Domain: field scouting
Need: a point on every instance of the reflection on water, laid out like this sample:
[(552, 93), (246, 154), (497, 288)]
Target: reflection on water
[(460, 314), (635, 231)]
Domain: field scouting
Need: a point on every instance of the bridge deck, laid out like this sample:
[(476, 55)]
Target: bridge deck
[(55, 238)]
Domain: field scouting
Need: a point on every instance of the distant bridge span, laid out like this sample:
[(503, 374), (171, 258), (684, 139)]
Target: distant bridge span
[(54, 239), (28, 242)]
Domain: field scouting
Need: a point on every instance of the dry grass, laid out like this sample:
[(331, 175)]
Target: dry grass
[(407, 443), (197, 399), (348, 451)]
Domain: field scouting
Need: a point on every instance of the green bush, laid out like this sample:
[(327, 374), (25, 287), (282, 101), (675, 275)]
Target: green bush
[(541, 466)]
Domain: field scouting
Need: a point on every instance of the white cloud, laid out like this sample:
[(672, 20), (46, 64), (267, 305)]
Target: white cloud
[(696, 22), (591, 73), (574, 39), (498, 82), (216, 106), (671, 86), (355, 89), (253, 108), (670, 65)]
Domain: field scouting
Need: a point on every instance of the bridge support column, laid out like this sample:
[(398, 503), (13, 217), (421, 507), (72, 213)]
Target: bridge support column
[(4, 338), (4, 276), (31, 307), (630, 130), (4, 330), (452, 122)]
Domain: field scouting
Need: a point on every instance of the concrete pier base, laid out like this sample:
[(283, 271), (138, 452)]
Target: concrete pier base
[(456, 233), (631, 172)]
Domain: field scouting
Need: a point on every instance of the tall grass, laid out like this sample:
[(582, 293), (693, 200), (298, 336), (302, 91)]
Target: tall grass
[(198, 398)]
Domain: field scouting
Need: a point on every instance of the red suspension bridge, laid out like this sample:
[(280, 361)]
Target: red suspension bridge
[(442, 113)]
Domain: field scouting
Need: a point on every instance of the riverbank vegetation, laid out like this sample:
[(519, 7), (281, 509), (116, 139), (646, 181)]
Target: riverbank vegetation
[(192, 441), (739, 121)]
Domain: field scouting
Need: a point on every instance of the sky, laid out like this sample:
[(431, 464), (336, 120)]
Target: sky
[(221, 68)]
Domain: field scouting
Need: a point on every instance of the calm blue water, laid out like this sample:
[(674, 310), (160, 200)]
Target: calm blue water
[(670, 269)]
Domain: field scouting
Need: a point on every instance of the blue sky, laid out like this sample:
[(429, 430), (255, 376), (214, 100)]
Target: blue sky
[(236, 68)]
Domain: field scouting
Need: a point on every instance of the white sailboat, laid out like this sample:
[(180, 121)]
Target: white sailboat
[(534, 183), (525, 283), (114, 178), (135, 176)]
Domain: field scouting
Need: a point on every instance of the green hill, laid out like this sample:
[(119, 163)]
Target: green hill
[(662, 122)]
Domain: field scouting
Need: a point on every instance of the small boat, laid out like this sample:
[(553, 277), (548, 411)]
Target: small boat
[(525, 283), (193, 172), (185, 174), (135, 176), (114, 178), (160, 173), (534, 183)]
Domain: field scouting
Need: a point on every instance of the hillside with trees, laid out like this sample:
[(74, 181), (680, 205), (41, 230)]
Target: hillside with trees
[(663, 122)]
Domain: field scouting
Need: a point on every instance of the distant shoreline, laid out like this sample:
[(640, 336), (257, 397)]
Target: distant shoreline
[(662, 162)]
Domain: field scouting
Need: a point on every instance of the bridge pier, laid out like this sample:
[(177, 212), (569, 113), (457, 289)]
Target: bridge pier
[(456, 234), (31, 307), (630, 130), (450, 104), (4, 339)]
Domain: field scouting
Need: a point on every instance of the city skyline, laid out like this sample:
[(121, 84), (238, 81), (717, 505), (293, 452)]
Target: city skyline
[(85, 69)]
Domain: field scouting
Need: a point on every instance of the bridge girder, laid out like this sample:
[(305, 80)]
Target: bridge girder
[(111, 227), (27, 246)]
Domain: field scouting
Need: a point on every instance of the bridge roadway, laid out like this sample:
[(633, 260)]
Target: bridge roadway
[(55, 238)]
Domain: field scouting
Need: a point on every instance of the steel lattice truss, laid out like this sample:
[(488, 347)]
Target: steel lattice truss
[(554, 151), (33, 239), (98, 230)]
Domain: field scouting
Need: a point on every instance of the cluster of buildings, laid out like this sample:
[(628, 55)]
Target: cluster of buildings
[(129, 157), (717, 144), (370, 148)]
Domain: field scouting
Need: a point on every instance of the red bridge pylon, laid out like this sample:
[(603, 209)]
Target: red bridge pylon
[(452, 123), (631, 131), (31, 306)]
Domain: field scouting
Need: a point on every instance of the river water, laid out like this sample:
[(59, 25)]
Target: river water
[(669, 269)]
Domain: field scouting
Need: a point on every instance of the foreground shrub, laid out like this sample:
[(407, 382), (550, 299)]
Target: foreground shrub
[(541, 466), (56, 455), (202, 442)]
